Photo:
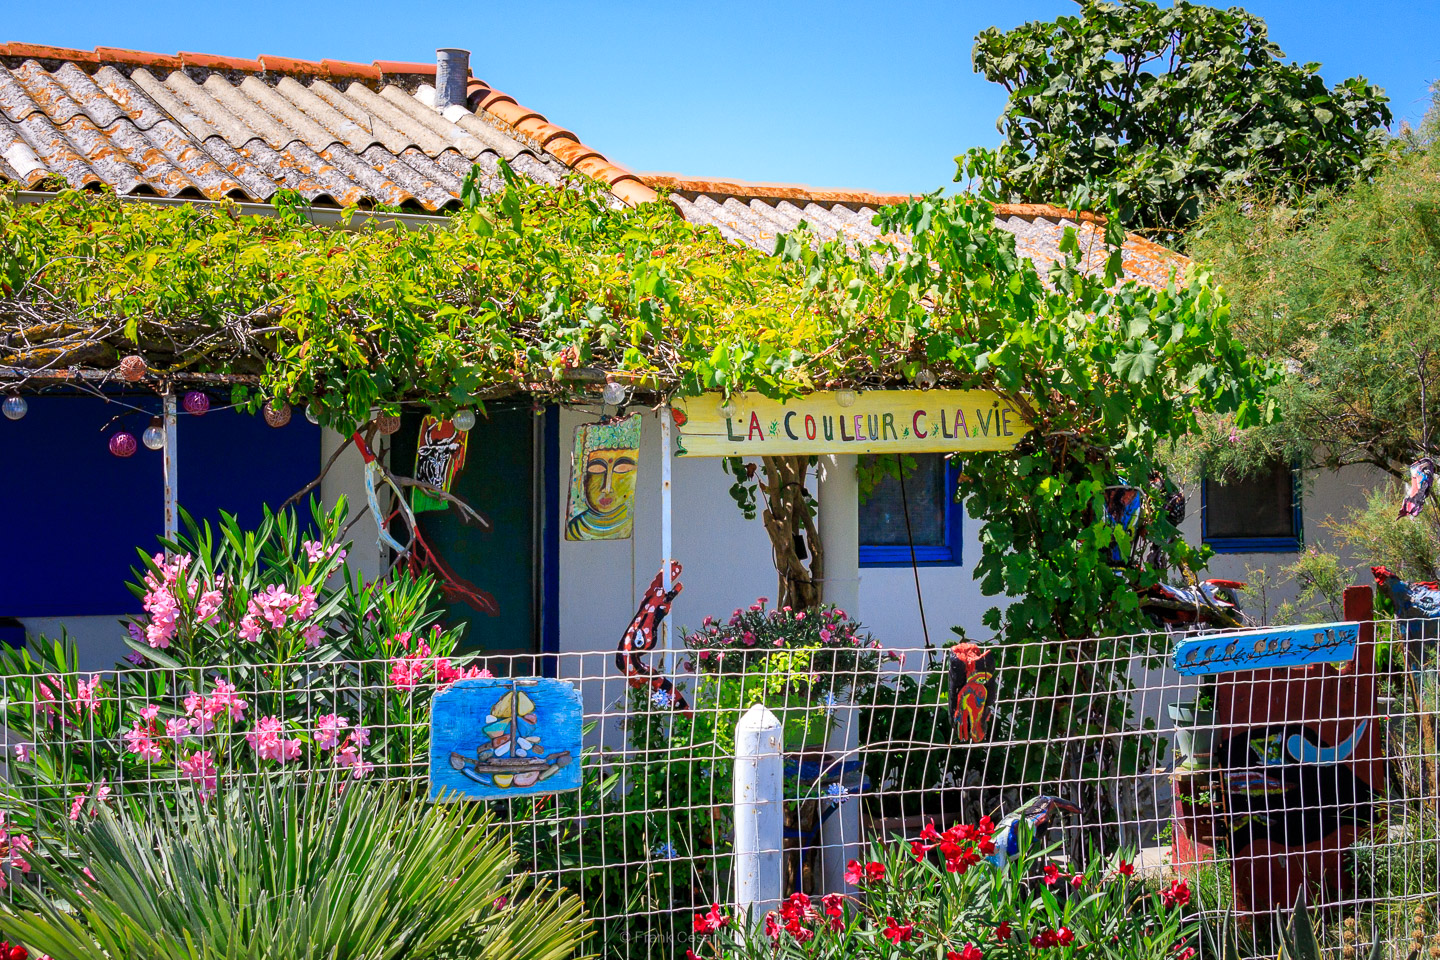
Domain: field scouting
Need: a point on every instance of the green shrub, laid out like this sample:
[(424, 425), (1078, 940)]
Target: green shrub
[(274, 871)]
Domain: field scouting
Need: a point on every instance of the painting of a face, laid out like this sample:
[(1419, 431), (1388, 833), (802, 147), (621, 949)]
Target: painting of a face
[(609, 479), (602, 483)]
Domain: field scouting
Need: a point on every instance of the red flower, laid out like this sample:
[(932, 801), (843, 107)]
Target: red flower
[(987, 846), (711, 921), (898, 932), (1003, 931), (985, 826), (1052, 873), (691, 954), (1186, 954), (854, 873), (1125, 869), (930, 833), (1064, 936), (919, 850), (970, 952), (876, 871), (1078, 880), (17, 952), (772, 927), (831, 902), (1176, 895)]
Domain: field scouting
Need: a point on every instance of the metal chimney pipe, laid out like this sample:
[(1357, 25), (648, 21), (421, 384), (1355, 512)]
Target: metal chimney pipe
[(452, 70)]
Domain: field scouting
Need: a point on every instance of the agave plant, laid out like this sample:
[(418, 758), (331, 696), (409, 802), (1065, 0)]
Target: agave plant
[(284, 871)]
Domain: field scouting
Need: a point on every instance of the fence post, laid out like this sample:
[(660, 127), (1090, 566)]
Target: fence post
[(759, 780)]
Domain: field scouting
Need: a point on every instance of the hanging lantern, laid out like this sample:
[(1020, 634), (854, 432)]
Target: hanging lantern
[(614, 394), (277, 415), (925, 379), (464, 419), (312, 414), (386, 424), (846, 398), (727, 409), (154, 435), (123, 444), (14, 407), (132, 368), (196, 402)]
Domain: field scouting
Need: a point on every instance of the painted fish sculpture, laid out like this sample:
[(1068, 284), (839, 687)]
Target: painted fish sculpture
[(1037, 815)]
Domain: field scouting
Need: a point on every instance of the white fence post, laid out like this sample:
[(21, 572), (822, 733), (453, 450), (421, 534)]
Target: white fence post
[(759, 785)]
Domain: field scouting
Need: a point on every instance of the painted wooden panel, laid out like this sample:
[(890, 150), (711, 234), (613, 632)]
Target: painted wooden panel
[(493, 738), (1271, 647), (878, 421)]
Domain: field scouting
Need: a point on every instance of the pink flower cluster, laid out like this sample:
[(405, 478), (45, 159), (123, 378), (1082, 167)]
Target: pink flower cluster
[(266, 740), (140, 738), (276, 607), (329, 731), (315, 551), (416, 666), (102, 793), (202, 711), (200, 768), (14, 847)]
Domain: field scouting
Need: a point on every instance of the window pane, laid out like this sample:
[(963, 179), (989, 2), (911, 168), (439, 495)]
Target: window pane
[(882, 514), (1261, 505)]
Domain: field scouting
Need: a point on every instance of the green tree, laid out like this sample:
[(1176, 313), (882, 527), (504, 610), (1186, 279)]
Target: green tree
[(1169, 105)]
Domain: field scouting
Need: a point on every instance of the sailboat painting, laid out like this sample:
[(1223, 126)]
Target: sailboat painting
[(496, 737)]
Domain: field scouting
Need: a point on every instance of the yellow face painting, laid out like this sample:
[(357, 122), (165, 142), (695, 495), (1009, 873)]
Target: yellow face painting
[(602, 485)]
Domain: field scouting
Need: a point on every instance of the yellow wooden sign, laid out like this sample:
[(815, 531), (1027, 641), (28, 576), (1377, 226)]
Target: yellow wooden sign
[(876, 421)]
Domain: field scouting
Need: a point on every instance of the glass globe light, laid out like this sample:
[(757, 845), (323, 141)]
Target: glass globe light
[(311, 414), (15, 407), (925, 378), (464, 419), (846, 398), (614, 394), (154, 435), (727, 409)]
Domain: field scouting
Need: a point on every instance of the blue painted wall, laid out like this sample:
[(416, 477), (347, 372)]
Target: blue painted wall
[(75, 514)]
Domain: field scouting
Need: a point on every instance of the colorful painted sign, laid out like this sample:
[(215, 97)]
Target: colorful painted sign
[(1271, 647), (439, 458), (602, 480), (493, 738), (875, 421)]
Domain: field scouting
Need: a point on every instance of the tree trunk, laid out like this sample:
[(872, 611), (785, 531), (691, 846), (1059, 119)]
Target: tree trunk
[(794, 539)]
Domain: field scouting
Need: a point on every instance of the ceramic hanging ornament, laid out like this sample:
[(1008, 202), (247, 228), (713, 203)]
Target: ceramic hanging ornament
[(132, 368), (276, 414), (196, 403), (123, 444)]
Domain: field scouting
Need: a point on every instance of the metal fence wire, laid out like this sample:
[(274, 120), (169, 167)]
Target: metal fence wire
[(1327, 771)]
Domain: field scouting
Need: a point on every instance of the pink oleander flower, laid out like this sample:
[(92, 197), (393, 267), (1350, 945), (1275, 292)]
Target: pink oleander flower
[(45, 695), (328, 729), (315, 551), (307, 605), (224, 700), (313, 634), (208, 607), (22, 751), (149, 712), (87, 694), (140, 741), (200, 767), (360, 736), (179, 729), (267, 742), (250, 629)]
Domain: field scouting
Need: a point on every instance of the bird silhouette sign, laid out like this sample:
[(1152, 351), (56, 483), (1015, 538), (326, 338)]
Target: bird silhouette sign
[(493, 738)]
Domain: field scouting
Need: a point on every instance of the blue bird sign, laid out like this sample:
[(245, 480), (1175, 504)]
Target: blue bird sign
[(1270, 647), (496, 738)]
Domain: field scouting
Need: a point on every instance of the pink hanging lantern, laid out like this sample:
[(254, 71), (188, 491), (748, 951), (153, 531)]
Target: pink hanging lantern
[(123, 444), (196, 402), (277, 415), (132, 368)]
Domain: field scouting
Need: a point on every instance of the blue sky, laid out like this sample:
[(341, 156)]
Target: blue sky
[(878, 96)]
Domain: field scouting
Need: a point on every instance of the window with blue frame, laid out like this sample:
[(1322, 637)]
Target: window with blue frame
[(1259, 513), (927, 501)]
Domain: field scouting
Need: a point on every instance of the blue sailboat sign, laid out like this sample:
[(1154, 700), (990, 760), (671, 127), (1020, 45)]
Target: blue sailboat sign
[(496, 738), (1270, 647)]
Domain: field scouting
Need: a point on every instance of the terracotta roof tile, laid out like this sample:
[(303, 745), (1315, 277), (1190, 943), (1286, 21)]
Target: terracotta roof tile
[(273, 64), (344, 69), (211, 62), (40, 51), (256, 125), (778, 191), (406, 68), (139, 58)]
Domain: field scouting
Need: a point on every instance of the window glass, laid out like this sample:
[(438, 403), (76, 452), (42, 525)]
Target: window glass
[(882, 514), (1260, 505)]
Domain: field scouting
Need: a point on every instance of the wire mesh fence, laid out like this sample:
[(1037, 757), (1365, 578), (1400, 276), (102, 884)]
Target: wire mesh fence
[(1252, 783)]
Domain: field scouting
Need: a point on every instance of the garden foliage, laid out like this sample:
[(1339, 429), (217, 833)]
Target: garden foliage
[(1170, 106), (272, 872), (952, 895)]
